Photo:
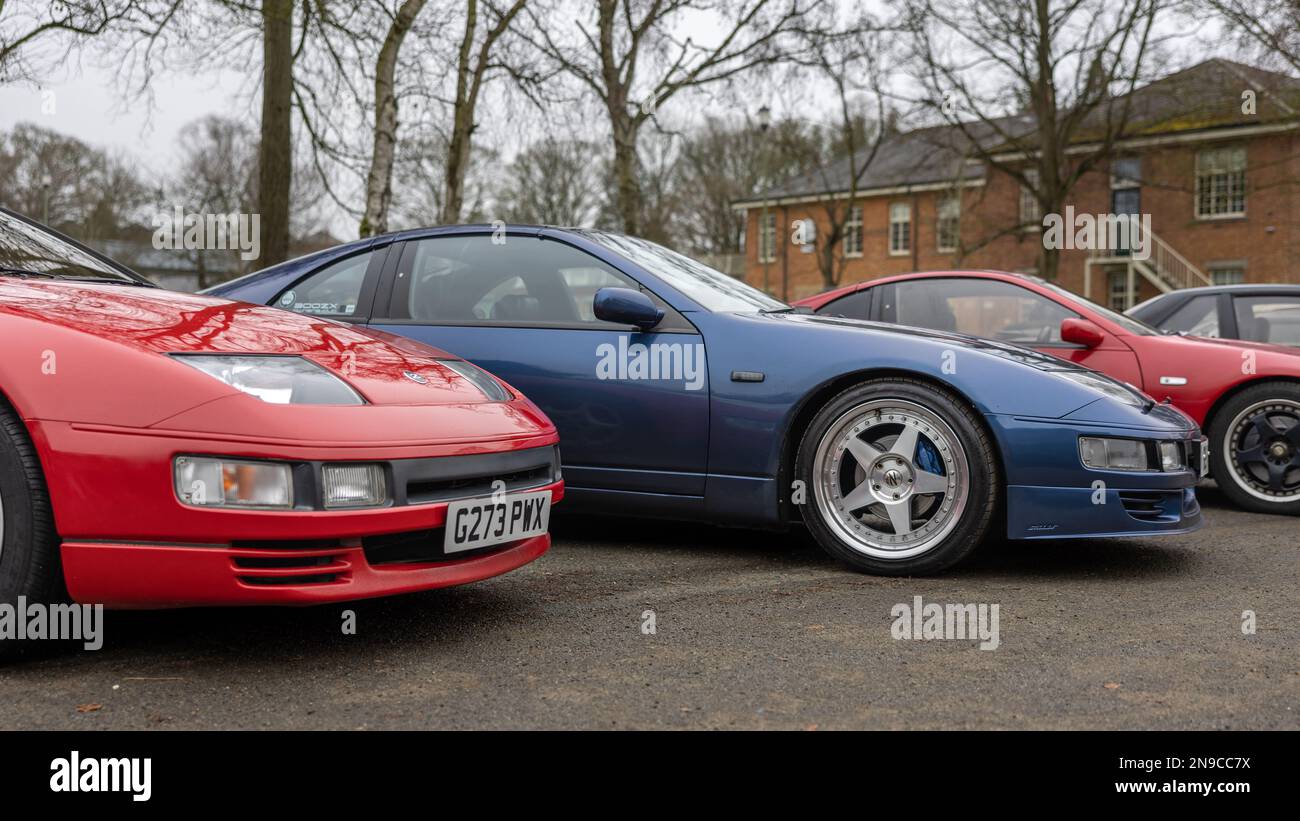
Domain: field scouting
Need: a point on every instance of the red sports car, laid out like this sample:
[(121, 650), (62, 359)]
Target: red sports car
[(163, 450), (1245, 395)]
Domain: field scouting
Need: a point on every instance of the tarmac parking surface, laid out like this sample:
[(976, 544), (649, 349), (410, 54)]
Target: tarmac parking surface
[(634, 624)]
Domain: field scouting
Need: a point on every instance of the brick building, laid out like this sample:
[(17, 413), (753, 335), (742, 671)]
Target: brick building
[(1211, 154)]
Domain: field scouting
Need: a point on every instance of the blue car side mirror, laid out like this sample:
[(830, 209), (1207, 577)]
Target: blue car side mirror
[(626, 307)]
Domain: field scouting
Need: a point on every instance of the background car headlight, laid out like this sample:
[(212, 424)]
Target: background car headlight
[(482, 380), (206, 482), (355, 486), (1171, 456), (280, 380), (1114, 454)]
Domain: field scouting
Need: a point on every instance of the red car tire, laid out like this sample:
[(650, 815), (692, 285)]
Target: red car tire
[(29, 559)]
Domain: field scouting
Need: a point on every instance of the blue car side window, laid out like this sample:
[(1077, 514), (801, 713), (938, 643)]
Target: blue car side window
[(335, 290), (523, 281)]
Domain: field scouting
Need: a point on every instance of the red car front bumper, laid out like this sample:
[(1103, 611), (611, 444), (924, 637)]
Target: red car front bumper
[(124, 576), (128, 542)]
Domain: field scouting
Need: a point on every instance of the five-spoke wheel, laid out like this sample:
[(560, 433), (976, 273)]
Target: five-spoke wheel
[(901, 477)]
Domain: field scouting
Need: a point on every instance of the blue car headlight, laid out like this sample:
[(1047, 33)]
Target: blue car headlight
[(1111, 388), (1105, 453)]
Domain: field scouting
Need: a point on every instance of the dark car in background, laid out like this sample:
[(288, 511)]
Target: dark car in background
[(1257, 313)]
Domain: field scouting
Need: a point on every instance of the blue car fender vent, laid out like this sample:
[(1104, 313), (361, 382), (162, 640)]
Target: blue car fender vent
[(1150, 506)]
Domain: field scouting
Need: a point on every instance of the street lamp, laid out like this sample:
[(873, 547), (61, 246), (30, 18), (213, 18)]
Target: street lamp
[(764, 122), (46, 182)]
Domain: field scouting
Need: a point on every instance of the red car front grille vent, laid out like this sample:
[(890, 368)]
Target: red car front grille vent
[(280, 568)]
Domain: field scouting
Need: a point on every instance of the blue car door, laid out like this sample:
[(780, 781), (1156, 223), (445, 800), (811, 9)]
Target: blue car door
[(632, 408)]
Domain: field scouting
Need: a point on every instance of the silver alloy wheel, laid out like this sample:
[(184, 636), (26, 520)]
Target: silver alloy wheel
[(1262, 455), (871, 491)]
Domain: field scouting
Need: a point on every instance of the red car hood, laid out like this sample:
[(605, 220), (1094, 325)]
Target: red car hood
[(166, 322)]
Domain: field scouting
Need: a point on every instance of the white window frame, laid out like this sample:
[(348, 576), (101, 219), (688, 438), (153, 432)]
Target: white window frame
[(1223, 171), (853, 231), (1219, 274), (951, 202), (900, 243), (1031, 213)]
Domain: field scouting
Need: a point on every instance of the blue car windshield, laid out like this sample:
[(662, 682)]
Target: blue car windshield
[(712, 289)]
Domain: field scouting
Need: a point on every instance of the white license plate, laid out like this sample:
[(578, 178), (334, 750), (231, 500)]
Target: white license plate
[(1205, 457), (475, 523)]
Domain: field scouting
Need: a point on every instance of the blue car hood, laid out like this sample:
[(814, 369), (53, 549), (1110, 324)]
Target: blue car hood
[(1139, 411)]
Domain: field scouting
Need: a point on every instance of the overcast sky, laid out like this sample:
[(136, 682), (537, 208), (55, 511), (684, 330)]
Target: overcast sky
[(87, 105)]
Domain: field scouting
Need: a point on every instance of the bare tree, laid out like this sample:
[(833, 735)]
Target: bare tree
[(22, 28), (79, 189), (632, 59), (1269, 27), (379, 182), (473, 67), (552, 182), (275, 154), (197, 35), (1025, 82), (848, 61), (720, 163)]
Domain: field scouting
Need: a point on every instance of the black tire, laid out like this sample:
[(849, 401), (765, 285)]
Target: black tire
[(1226, 433), (969, 524), (29, 558)]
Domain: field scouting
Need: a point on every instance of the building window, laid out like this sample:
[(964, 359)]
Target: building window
[(1120, 298), (1228, 274), (767, 238), (1221, 183), (853, 233), (1031, 213), (1125, 172), (948, 223), (900, 229)]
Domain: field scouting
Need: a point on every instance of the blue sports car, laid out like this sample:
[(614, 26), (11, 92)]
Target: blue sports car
[(681, 392)]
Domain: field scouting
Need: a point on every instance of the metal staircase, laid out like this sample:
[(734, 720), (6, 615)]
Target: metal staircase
[(1164, 268)]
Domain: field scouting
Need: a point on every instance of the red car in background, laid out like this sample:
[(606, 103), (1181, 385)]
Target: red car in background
[(160, 449), (1245, 395)]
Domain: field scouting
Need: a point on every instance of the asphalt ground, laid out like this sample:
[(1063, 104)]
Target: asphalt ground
[(750, 630)]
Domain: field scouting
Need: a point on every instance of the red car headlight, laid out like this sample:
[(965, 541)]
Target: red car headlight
[(207, 482), (354, 486)]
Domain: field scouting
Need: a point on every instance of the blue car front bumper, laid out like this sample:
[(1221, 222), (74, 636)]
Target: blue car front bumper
[(1052, 495)]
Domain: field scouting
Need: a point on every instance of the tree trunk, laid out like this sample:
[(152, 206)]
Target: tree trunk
[(462, 123), (275, 155), (626, 185), (379, 183), (457, 164)]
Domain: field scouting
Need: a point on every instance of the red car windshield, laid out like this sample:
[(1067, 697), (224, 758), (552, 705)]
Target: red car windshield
[(1128, 323), (27, 249)]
